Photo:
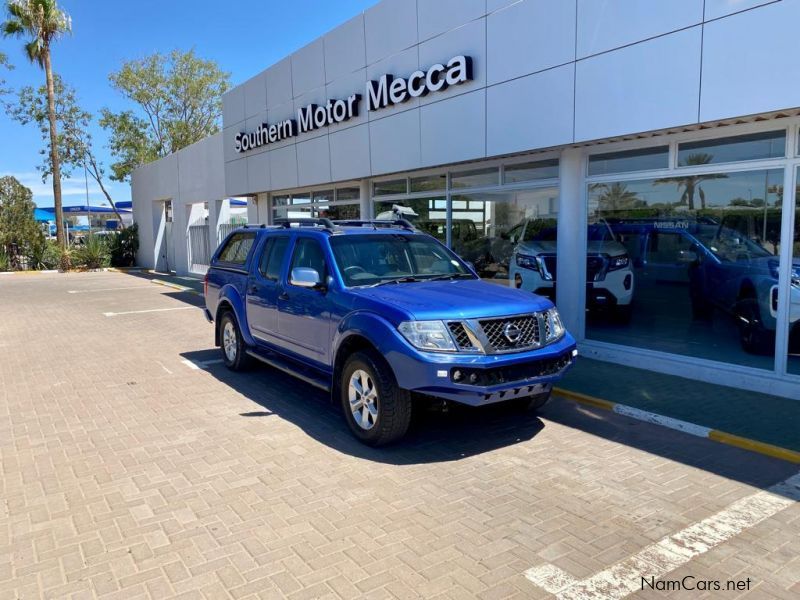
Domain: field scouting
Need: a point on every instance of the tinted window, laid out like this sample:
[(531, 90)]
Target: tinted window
[(629, 160), (475, 178), (771, 144), (395, 186), (544, 169), (429, 183), (308, 254), (272, 258), (237, 248)]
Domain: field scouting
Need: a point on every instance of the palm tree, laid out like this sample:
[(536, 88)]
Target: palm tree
[(691, 183), (616, 197), (41, 22)]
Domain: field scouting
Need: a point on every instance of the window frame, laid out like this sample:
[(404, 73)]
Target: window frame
[(229, 241)]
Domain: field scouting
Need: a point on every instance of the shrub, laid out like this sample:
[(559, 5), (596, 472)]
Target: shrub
[(93, 254), (5, 264), (44, 255), (123, 247)]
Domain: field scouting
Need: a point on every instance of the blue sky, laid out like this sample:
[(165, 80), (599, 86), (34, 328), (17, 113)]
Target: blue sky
[(243, 36)]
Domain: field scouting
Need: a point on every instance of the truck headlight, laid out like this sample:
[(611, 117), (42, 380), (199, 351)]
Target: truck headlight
[(556, 326), (527, 262), (618, 262), (428, 335)]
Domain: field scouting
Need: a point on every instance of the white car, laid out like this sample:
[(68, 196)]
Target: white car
[(609, 272)]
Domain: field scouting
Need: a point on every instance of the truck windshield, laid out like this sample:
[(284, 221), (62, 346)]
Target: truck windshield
[(375, 259)]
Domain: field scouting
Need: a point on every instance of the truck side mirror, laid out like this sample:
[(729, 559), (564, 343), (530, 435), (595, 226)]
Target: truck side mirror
[(305, 277)]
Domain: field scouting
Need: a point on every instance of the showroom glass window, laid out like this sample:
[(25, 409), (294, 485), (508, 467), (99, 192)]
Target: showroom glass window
[(495, 214), (684, 263), (341, 203)]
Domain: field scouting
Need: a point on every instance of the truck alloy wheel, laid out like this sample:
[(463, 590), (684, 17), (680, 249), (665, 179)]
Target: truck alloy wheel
[(363, 396)]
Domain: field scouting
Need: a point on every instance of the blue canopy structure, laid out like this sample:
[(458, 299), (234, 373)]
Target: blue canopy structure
[(128, 204), (43, 216), (85, 210)]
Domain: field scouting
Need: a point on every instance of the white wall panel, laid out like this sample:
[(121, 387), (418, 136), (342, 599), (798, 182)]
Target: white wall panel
[(719, 8), (308, 68), (391, 26), (228, 143), (454, 129), (438, 16), (758, 76), (258, 175), (283, 168), (531, 112), (394, 143), (233, 106), (345, 49), (317, 96), (313, 162), (201, 174), (650, 85), (255, 95), (350, 153), (236, 177), (341, 89), (529, 36), (606, 25), (279, 83), (469, 40)]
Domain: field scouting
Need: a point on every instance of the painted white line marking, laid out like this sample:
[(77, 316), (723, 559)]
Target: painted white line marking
[(151, 310), (648, 417), (163, 367), (190, 364), (201, 364), (671, 552), (114, 289)]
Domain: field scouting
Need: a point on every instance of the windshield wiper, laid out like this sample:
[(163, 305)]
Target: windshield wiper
[(449, 276), (396, 280)]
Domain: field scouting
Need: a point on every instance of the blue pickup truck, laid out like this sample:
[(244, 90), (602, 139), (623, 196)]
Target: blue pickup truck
[(378, 313)]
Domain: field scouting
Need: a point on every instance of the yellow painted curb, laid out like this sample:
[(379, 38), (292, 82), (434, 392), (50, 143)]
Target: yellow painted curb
[(584, 399), (713, 434), (754, 446), (175, 286)]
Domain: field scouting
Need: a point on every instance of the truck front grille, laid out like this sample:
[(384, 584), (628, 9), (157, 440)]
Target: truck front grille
[(514, 333), (460, 335)]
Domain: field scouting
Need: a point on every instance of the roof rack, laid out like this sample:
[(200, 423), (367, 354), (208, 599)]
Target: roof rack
[(376, 223), (326, 224)]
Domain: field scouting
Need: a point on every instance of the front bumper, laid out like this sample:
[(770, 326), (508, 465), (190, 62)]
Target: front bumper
[(497, 377)]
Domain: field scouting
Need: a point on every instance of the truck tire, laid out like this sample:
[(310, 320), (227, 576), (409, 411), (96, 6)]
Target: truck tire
[(529, 403), (377, 411), (754, 337), (234, 350)]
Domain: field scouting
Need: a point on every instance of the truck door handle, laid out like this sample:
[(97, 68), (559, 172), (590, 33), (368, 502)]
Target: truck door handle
[(283, 296), (253, 289)]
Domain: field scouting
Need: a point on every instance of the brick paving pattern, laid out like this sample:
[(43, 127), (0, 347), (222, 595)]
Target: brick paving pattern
[(124, 473)]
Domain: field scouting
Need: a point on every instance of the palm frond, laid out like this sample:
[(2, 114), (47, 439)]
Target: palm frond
[(33, 50)]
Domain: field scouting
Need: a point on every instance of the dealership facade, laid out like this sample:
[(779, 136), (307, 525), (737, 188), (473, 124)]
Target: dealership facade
[(635, 161)]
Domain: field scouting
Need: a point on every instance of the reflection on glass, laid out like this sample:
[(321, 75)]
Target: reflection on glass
[(496, 231), (429, 215), (353, 194), (292, 212), (628, 161), (756, 146), (394, 186), (322, 196), (338, 212), (429, 183), (475, 178), (793, 365), (701, 251), (531, 171)]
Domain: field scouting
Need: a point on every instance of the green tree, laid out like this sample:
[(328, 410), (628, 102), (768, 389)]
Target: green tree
[(74, 140), (42, 22), (691, 183), (178, 101), (20, 234), (6, 65)]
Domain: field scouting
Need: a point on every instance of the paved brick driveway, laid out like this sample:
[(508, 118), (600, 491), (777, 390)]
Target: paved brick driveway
[(134, 465)]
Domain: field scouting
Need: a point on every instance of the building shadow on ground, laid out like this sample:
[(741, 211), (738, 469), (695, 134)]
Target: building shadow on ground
[(434, 436), (192, 295), (463, 431)]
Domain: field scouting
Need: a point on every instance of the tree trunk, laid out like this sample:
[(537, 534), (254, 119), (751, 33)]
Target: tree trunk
[(54, 159), (95, 171)]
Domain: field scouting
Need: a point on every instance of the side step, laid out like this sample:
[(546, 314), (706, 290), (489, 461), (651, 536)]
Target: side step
[(293, 369)]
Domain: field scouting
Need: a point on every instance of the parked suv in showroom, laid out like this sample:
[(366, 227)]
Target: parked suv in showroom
[(375, 312), (724, 269), (609, 273)]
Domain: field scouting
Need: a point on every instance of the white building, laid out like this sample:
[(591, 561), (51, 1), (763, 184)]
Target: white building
[(661, 132)]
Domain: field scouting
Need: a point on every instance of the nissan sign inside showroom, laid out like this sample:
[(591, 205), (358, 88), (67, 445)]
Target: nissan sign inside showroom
[(386, 91)]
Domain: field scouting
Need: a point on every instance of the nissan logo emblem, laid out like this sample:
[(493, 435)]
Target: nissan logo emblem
[(512, 333)]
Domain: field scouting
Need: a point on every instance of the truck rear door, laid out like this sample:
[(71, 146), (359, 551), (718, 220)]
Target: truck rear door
[(263, 288)]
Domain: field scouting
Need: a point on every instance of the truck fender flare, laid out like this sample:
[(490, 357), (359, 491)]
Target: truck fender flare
[(229, 298)]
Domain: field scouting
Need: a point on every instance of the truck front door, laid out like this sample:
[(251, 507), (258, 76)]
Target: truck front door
[(304, 316)]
